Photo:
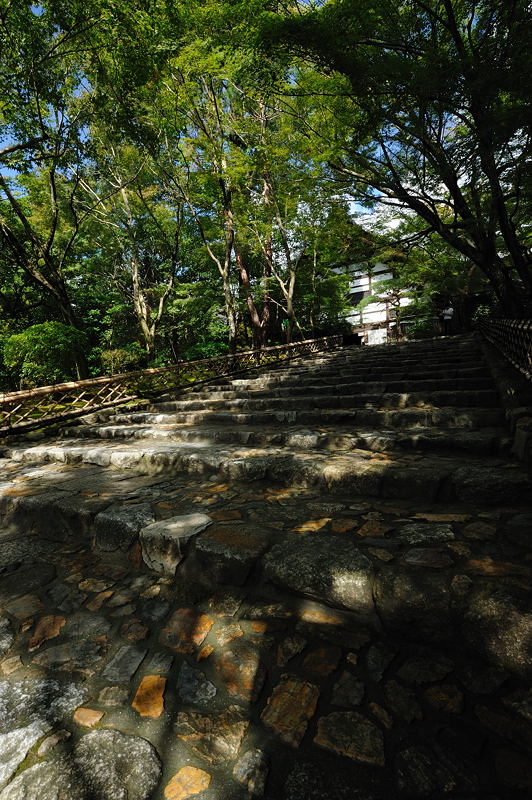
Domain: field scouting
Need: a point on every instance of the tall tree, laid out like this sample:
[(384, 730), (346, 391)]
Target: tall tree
[(437, 107)]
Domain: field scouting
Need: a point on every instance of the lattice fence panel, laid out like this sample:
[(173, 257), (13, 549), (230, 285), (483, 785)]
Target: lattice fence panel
[(513, 337), (48, 404)]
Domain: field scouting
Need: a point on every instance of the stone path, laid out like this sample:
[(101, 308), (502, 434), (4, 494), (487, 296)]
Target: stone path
[(174, 636)]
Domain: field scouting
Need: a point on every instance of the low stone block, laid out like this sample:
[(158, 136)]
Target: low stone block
[(326, 567), (164, 542), (228, 553), (117, 527)]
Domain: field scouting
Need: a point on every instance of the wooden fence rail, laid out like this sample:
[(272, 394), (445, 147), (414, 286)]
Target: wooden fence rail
[(31, 408)]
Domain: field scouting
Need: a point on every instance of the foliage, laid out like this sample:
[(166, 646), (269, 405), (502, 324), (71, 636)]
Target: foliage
[(45, 353)]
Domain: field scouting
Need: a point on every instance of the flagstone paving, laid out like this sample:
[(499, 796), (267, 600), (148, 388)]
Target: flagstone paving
[(255, 688), (226, 632)]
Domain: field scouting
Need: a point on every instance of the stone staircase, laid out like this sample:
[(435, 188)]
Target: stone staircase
[(411, 420), (349, 527)]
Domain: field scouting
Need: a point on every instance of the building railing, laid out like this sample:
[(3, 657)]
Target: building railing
[(513, 337), (31, 408)]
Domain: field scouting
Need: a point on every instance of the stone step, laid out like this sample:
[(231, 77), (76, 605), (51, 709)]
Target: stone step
[(445, 418), (324, 387), (484, 398), (396, 372), (485, 441), (454, 576), (363, 367), (432, 478)]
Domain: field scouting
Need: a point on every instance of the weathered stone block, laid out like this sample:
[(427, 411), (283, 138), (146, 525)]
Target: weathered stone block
[(164, 542), (326, 567)]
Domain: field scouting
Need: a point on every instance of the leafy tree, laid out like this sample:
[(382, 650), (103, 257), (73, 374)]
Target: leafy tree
[(44, 353), (436, 107)]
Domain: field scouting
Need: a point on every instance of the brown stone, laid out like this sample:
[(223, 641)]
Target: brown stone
[(445, 698), (225, 515), (318, 617), (97, 602), (220, 487), (135, 555), (186, 783), (350, 734), (25, 606), (373, 528), (290, 708), (216, 737), (240, 670), (93, 585), (47, 628), (322, 661), (488, 566), (185, 630), (134, 630), (149, 699), (343, 525), (381, 714), (312, 525), (10, 665), (87, 717), (205, 652)]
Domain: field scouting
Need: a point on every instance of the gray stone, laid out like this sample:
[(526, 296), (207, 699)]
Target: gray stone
[(55, 780), (14, 747), (160, 662), (491, 485), (105, 764), (427, 557), (402, 701), (117, 527), (86, 625), (124, 663), (425, 773), (193, 686), (481, 680), (326, 567), (497, 623), (40, 701), (117, 766), (228, 552), (350, 734), (290, 647), (518, 529), (348, 691), (164, 542), (312, 782), (77, 656), (424, 533), (7, 636), (26, 579), (154, 610), (113, 696), (251, 770), (417, 601), (378, 659), (425, 670)]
